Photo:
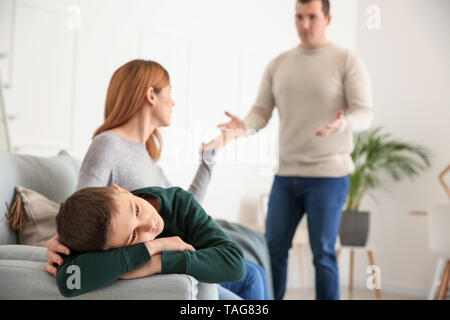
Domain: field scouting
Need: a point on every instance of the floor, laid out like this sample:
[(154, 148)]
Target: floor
[(358, 294)]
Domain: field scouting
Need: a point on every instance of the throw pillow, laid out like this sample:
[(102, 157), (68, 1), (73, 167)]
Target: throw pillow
[(33, 216)]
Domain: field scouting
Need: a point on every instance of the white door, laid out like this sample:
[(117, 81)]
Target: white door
[(42, 80)]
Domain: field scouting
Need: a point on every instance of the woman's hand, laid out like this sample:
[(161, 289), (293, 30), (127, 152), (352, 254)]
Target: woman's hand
[(216, 143), (53, 247), (167, 244)]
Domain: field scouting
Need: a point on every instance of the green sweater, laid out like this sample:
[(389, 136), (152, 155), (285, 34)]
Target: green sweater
[(217, 259)]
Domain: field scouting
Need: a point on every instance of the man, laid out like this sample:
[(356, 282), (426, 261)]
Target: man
[(322, 93)]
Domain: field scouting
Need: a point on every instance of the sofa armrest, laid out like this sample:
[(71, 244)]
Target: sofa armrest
[(21, 279), (23, 252)]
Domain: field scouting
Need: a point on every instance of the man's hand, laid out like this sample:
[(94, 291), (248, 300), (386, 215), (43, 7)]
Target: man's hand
[(333, 126), (232, 129), (229, 131), (53, 247)]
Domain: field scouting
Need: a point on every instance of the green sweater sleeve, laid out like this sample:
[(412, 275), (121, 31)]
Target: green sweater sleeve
[(217, 259), (82, 273)]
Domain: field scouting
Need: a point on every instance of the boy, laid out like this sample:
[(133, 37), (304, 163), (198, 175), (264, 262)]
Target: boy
[(114, 233)]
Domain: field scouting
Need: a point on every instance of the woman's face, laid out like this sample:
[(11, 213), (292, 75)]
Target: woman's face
[(162, 110), (135, 220)]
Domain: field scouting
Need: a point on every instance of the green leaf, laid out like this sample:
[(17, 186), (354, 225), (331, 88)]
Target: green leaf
[(377, 155)]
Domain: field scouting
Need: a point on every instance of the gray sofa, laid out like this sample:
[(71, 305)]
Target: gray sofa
[(22, 268)]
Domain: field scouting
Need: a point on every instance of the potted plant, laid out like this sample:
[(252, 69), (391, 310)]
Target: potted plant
[(376, 156)]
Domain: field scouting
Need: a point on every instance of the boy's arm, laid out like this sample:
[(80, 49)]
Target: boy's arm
[(155, 247), (216, 258), (149, 268), (82, 273)]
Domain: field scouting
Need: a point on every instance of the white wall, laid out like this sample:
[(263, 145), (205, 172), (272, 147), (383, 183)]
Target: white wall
[(408, 61)]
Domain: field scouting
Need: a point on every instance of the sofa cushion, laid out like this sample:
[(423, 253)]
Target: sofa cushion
[(22, 279), (23, 252), (254, 245), (33, 216), (54, 177)]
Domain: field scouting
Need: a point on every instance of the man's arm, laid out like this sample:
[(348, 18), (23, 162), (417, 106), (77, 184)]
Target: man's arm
[(358, 94), (261, 112), (258, 116)]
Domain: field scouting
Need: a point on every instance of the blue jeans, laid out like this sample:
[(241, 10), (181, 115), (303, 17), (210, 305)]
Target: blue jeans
[(252, 287), (322, 199), (226, 294)]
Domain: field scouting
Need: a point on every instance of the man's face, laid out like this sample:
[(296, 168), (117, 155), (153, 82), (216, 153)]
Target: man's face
[(135, 220), (311, 23)]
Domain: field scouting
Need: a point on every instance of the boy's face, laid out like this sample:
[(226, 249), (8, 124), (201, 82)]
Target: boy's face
[(135, 220)]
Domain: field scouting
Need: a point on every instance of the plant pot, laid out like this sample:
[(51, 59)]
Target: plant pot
[(354, 228)]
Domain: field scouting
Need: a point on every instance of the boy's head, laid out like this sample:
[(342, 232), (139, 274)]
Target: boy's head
[(102, 218)]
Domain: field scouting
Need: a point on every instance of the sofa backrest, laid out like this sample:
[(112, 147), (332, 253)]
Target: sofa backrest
[(54, 177)]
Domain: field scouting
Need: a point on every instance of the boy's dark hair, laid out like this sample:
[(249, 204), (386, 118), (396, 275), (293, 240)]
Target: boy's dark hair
[(84, 219), (325, 5)]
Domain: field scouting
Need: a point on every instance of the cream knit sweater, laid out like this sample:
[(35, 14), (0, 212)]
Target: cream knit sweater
[(309, 87)]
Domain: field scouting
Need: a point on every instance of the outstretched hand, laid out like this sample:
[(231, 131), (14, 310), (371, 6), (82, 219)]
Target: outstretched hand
[(334, 126), (234, 124), (215, 144), (230, 130)]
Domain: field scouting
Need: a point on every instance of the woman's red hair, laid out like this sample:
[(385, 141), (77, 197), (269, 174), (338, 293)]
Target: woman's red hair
[(126, 95)]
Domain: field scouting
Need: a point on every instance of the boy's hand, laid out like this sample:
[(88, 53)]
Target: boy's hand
[(155, 247), (147, 269), (167, 244), (53, 248)]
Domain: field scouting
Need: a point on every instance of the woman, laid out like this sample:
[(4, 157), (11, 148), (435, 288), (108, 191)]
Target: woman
[(128, 144)]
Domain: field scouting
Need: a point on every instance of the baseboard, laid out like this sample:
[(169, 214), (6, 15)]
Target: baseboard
[(360, 283), (414, 292)]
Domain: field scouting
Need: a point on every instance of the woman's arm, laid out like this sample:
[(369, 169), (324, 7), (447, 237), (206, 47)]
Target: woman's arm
[(98, 163), (202, 177)]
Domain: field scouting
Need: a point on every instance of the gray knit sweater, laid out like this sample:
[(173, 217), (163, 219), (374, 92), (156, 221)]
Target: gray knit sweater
[(112, 159)]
